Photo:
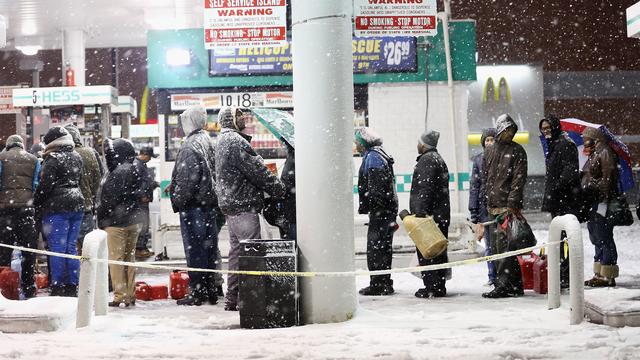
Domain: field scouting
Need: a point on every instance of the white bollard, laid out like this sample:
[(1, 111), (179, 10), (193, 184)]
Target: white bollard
[(93, 289), (571, 225)]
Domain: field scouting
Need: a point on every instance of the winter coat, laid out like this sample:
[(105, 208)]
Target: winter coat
[(19, 172), (376, 183), (118, 203), (504, 176), (600, 174), (91, 176), (193, 177), (242, 176), (60, 177), (477, 197), (562, 182), (288, 178), (148, 182), (430, 189)]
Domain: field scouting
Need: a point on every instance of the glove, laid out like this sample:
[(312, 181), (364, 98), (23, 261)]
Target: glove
[(602, 209)]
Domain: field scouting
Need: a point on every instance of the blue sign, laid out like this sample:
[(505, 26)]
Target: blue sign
[(370, 55)]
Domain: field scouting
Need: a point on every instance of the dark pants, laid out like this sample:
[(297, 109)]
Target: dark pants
[(17, 227), (145, 236), (564, 254), (61, 231), (491, 266), (380, 246), (242, 226), (435, 280), (508, 275), (601, 236), (87, 226), (200, 239)]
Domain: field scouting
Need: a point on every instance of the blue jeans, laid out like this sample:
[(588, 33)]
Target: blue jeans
[(601, 236), (61, 231), (200, 240), (487, 252)]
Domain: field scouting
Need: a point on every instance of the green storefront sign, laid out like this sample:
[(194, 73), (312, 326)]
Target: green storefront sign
[(196, 74)]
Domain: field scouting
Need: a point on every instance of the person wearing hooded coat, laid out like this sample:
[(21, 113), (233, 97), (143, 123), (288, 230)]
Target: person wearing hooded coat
[(193, 196), (58, 201), (504, 175), (562, 180), (19, 175), (477, 200), (599, 178), (118, 214), (242, 180), (378, 198), (92, 172), (429, 196)]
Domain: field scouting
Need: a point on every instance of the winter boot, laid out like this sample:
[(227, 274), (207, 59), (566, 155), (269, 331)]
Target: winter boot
[(70, 290), (190, 300), (503, 292), (377, 290), (57, 290), (219, 291), (425, 293)]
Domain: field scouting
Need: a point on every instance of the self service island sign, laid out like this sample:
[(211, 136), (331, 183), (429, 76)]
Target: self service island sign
[(395, 17), (244, 23)]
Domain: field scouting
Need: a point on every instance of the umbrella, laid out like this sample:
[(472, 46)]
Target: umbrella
[(279, 122), (575, 127)]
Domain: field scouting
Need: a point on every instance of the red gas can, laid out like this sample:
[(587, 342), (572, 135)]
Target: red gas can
[(179, 283), (526, 269), (143, 291), (10, 283), (540, 275), (159, 292)]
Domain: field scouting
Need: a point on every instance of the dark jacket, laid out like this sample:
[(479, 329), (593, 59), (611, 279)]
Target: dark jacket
[(148, 182), (562, 182), (241, 175), (376, 183), (19, 172), (600, 174), (288, 178), (477, 197), (504, 176), (430, 189), (59, 188), (118, 203), (193, 177)]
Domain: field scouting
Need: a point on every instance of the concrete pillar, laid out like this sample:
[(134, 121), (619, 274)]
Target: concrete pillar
[(73, 47), (323, 104)]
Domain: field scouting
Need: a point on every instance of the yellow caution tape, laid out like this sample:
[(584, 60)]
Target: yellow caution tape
[(293, 273)]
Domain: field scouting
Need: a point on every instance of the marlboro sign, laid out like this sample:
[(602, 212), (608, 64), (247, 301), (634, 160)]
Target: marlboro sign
[(395, 17), (244, 23)]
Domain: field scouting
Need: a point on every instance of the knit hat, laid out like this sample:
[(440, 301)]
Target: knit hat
[(503, 123), (488, 132), (228, 117), (37, 149), (54, 133), (367, 137), (592, 133), (429, 138), (14, 141)]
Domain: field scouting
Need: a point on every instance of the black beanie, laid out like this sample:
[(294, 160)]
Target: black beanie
[(54, 133)]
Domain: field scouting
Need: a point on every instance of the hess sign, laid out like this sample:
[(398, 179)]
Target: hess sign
[(71, 95)]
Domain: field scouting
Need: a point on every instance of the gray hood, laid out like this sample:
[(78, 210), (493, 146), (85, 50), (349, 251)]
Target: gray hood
[(503, 123), (192, 119)]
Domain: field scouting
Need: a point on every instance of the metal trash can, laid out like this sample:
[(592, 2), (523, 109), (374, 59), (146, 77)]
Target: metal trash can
[(268, 301)]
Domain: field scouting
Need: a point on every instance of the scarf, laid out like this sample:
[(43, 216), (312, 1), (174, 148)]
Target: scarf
[(57, 144)]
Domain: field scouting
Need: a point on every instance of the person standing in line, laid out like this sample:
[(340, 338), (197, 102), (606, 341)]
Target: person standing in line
[(504, 175), (118, 214), (91, 177), (562, 180), (19, 175), (193, 196), (477, 201), (600, 185), (429, 196), (148, 186), (288, 178), (377, 198), (242, 180), (58, 201)]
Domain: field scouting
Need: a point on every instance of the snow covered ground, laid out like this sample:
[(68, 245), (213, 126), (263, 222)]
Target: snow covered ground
[(463, 325)]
